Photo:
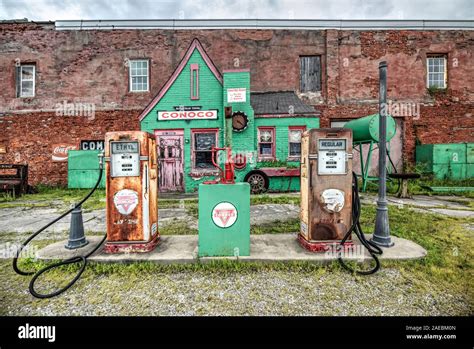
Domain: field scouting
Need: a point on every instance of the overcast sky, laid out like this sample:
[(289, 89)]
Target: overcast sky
[(208, 9)]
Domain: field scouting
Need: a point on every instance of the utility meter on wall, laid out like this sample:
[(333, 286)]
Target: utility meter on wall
[(125, 159), (326, 187)]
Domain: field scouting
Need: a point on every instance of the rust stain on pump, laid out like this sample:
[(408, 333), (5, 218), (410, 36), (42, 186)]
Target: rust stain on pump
[(131, 191), (326, 186)]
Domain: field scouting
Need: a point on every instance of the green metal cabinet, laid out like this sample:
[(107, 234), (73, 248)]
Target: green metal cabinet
[(447, 161), (224, 220), (470, 153), (83, 169), (450, 171), (469, 171)]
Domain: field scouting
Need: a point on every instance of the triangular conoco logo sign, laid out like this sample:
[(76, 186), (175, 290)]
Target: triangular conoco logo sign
[(224, 215), (125, 201)]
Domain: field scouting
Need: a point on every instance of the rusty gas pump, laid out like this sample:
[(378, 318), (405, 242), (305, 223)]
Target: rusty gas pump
[(326, 188), (131, 192), (330, 204)]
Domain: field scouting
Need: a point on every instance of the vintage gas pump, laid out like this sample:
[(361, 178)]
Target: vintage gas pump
[(224, 212), (326, 188), (131, 192)]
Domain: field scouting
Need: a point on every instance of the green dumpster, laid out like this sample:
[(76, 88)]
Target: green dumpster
[(224, 220), (447, 161), (83, 169)]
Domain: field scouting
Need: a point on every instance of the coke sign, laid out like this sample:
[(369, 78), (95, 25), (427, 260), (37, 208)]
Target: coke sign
[(60, 151)]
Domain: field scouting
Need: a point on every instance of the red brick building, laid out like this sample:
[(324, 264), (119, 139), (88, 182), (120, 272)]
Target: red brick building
[(70, 81)]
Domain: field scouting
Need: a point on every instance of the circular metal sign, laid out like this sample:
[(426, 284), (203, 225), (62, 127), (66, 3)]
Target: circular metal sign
[(125, 201), (240, 121), (224, 214)]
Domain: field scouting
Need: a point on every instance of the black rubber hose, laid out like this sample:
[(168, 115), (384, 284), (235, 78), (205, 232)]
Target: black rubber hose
[(72, 260), (371, 247)]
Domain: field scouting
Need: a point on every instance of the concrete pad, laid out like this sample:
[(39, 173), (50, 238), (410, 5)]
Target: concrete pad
[(453, 213), (179, 249), (267, 213)]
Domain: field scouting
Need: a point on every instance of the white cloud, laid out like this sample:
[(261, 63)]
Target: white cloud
[(226, 9)]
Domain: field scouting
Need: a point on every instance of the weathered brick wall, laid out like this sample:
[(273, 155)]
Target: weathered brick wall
[(405, 53), (438, 123), (30, 139), (90, 67)]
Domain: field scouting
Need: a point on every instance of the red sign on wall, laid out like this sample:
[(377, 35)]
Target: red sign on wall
[(60, 151), (187, 115)]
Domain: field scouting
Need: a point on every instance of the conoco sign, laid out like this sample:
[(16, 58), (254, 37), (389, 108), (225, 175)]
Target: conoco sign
[(60, 151), (125, 201), (224, 215), (187, 115)]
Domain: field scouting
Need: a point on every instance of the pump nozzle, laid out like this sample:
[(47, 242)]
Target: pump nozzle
[(101, 159)]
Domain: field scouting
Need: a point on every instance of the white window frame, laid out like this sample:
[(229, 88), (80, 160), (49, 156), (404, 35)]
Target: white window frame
[(130, 62), (262, 157), (22, 79), (444, 66), (195, 132), (300, 129)]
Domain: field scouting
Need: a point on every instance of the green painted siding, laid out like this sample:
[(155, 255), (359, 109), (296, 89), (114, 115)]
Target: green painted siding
[(281, 152), (281, 132), (213, 96), (210, 98)]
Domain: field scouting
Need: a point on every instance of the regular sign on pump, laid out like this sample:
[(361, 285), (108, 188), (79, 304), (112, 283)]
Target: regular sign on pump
[(187, 115)]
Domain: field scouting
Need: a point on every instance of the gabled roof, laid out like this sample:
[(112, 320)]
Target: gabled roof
[(196, 44), (279, 102)]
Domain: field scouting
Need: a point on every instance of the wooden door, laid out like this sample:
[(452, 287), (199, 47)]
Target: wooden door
[(170, 160)]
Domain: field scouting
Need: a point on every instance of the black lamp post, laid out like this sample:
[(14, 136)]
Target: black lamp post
[(382, 228)]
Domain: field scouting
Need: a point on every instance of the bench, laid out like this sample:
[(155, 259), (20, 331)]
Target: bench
[(14, 178), (404, 177)]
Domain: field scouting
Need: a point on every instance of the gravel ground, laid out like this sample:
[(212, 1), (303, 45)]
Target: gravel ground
[(264, 291), (267, 292)]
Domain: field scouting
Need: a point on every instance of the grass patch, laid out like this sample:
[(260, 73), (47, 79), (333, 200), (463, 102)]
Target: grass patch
[(140, 268), (15, 204), (419, 186), (192, 209), (177, 228), (48, 195), (448, 243), (267, 199), (277, 227)]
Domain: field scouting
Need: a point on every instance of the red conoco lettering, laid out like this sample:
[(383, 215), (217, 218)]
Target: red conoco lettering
[(187, 115)]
